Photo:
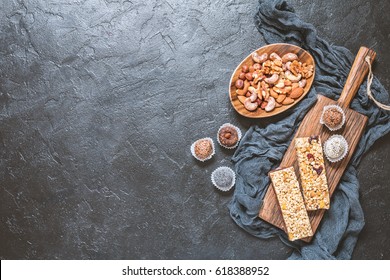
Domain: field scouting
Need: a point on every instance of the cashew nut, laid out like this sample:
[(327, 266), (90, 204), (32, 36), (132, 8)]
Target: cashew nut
[(257, 79), (280, 84), (274, 56), (288, 63), (256, 66), (291, 77), (289, 57), (253, 95), (273, 79), (271, 104), (249, 105), (259, 58), (302, 83)]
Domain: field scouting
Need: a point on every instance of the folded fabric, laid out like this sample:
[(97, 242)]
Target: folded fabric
[(262, 147)]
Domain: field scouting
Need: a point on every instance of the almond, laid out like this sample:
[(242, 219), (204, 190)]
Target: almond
[(295, 85), (273, 93), (288, 101), (280, 98), (296, 93), (241, 98)]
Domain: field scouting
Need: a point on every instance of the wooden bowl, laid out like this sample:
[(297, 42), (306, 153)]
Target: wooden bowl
[(280, 49)]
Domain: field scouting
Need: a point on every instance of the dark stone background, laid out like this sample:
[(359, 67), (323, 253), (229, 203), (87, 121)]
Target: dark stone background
[(99, 103)]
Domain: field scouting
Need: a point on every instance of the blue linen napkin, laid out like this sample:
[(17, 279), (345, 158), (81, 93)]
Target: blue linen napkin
[(263, 146)]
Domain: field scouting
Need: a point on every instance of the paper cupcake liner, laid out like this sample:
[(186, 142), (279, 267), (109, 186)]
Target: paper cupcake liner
[(215, 179), (343, 142), (239, 134), (193, 149), (338, 108)]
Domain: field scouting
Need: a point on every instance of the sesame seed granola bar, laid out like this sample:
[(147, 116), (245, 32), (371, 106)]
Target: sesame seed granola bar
[(312, 170), (291, 203)]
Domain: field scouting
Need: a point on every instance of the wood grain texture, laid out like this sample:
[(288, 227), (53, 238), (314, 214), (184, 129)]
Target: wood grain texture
[(280, 49), (356, 76), (352, 131)]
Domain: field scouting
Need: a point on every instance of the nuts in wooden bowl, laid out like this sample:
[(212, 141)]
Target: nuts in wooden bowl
[(271, 80)]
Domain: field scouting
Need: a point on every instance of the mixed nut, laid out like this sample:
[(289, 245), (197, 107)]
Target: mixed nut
[(272, 81)]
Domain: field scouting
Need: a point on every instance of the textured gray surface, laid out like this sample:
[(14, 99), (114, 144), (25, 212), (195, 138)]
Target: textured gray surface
[(99, 103)]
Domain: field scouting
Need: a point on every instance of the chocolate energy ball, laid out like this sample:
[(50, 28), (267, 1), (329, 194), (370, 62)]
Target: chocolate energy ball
[(229, 136), (203, 149), (333, 117)]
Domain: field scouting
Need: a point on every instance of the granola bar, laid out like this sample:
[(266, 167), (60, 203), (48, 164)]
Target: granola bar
[(291, 203), (312, 170)]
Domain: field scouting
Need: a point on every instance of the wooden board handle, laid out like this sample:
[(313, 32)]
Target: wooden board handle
[(356, 76)]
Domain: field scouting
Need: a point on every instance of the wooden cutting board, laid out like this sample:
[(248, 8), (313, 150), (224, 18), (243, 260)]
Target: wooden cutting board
[(352, 131)]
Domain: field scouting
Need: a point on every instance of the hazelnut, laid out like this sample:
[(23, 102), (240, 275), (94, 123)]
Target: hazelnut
[(249, 76), (228, 135), (245, 69), (241, 76), (239, 84)]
